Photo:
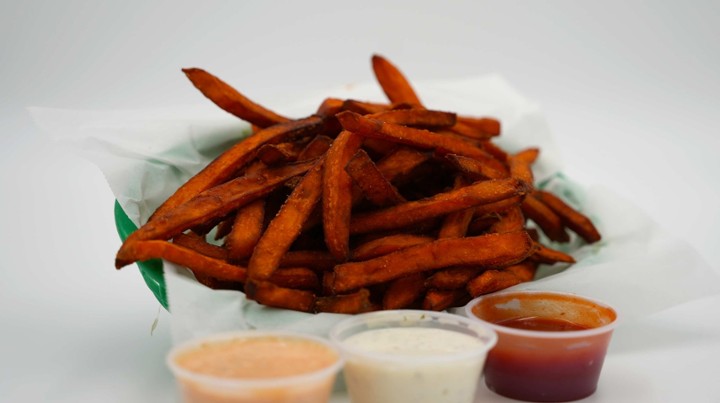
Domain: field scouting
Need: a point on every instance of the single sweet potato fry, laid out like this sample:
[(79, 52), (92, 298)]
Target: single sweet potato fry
[(337, 194), (312, 259), (549, 222), (491, 281), (287, 224), (455, 224), (419, 138), (403, 291), (330, 106), (468, 131), (357, 302), (487, 250), (401, 163), (520, 165), (315, 148), (511, 220), (452, 278), (546, 255), (275, 154), (295, 277), (413, 212), (200, 245), (478, 169), (246, 230), (440, 300), (230, 100), (364, 107), (377, 189), (273, 295), (416, 117), (228, 163), (391, 243), (525, 270), (196, 262), (393, 82), (490, 126), (576, 221)]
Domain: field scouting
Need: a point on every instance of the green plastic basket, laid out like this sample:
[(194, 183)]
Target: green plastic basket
[(151, 270)]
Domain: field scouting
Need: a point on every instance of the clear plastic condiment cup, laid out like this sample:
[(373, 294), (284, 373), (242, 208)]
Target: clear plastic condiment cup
[(413, 373), (544, 365), (305, 386)]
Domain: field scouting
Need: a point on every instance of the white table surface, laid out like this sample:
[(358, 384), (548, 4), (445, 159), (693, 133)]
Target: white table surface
[(630, 90)]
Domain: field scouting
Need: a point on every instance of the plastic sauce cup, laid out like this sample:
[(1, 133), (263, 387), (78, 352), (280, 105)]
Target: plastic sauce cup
[(562, 362), (412, 356), (257, 367)]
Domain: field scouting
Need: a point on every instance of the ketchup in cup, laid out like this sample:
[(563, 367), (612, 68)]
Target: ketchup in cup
[(551, 346)]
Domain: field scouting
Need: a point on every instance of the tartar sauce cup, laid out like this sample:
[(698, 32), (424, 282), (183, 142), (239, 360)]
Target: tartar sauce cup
[(551, 345), (256, 367), (412, 356)]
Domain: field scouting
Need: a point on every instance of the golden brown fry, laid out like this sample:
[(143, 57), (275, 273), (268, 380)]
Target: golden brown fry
[(295, 277), (416, 117), (274, 154), (286, 226), (404, 291), (357, 302), (419, 138), (196, 262), (546, 255), (246, 230), (211, 204), (573, 219), (330, 106), (452, 278), (491, 281), (510, 221), (230, 100), (524, 271), (394, 84), (478, 169), (200, 245), (273, 295), (487, 250), (363, 107), (549, 222), (455, 225), (227, 164), (312, 259), (315, 148), (495, 151), (413, 212), (401, 163), (520, 165), (383, 246), (489, 126), (336, 194), (377, 189), (440, 300)]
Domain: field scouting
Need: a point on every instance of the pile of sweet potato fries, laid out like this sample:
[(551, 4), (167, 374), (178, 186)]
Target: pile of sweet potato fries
[(361, 206)]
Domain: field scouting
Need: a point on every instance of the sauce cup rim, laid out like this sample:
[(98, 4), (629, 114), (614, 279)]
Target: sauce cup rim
[(482, 332), (257, 383), (567, 334)]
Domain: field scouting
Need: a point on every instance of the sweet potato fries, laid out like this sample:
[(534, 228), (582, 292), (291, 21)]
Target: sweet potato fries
[(361, 206)]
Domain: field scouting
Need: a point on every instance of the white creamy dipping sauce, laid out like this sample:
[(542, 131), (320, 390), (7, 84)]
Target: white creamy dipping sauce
[(413, 341), (413, 364)]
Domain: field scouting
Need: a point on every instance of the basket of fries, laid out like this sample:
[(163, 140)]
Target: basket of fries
[(360, 206)]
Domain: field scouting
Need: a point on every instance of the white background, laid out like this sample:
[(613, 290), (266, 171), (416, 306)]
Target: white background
[(630, 90)]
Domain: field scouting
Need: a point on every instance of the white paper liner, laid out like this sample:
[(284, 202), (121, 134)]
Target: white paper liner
[(145, 155)]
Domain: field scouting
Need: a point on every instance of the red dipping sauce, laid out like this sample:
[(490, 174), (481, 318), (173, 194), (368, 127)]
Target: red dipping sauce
[(551, 346)]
